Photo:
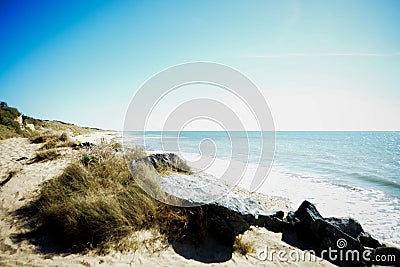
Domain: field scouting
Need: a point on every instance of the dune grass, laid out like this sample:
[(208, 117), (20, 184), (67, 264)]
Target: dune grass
[(10, 127), (52, 140), (45, 155), (57, 126), (97, 203), (242, 247)]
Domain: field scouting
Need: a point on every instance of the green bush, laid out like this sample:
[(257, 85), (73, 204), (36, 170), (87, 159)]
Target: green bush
[(7, 132), (30, 120), (8, 116)]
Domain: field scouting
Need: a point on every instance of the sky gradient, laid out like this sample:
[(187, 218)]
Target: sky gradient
[(322, 65)]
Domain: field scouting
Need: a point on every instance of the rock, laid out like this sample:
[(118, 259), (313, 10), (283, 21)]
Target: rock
[(368, 241), (167, 160), (224, 223), (291, 219), (30, 126), (21, 158), (328, 234), (347, 225), (345, 235), (227, 213), (84, 144), (273, 222)]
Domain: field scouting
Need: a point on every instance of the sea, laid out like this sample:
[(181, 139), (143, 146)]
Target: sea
[(344, 173)]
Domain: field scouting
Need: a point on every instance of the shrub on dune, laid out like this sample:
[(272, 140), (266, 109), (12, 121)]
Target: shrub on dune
[(97, 201)]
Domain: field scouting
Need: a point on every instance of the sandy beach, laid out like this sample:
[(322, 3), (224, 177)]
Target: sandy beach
[(24, 187)]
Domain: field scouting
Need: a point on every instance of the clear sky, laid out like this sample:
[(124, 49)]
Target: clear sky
[(322, 65)]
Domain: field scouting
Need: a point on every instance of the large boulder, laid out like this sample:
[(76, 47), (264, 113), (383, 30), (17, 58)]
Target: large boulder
[(352, 245), (228, 213), (329, 234)]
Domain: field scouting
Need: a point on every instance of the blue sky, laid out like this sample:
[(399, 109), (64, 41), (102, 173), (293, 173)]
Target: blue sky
[(322, 65)]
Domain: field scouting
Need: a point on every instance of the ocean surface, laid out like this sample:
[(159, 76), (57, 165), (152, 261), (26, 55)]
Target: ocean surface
[(353, 174)]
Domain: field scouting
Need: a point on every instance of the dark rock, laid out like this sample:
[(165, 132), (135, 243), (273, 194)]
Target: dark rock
[(347, 225), (291, 218), (329, 233), (273, 222), (225, 224), (167, 160), (307, 213), (368, 241), (84, 144), (87, 144), (229, 214), (22, 158)]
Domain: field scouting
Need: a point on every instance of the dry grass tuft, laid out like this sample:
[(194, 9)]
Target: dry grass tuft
[(52, 140), (243, 247), (45, 155), (136, 152), (64, 137), (42, 138)]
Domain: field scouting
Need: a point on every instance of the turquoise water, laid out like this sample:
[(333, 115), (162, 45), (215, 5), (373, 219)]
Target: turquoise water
[(346, 173), (362, 159)]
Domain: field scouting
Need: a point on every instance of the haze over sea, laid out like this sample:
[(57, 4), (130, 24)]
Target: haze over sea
[(345, 173)]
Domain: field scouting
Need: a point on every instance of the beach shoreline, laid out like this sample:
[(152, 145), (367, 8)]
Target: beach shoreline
[(25, 186)]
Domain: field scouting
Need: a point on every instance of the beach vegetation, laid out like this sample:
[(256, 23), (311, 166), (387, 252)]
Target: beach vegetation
[(98, 203), (52, 140), (7, 132), (243, 247), (9, 126), (46, 155)]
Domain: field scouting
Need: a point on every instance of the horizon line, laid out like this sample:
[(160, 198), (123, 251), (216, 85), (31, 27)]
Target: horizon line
[(350, 54), (397, 130)]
